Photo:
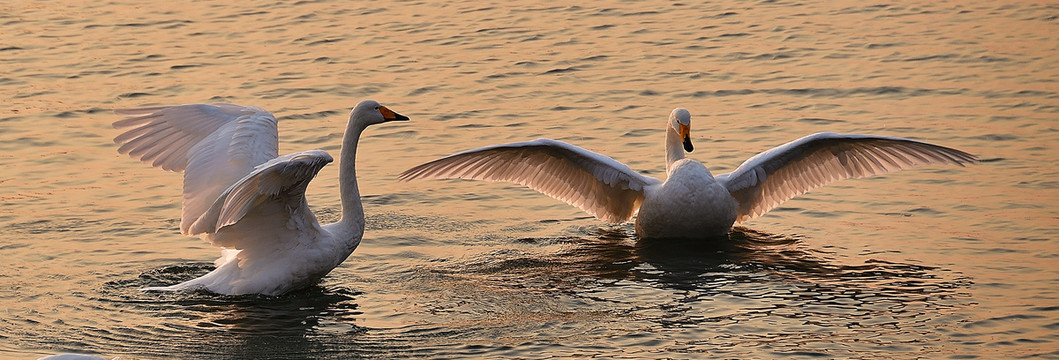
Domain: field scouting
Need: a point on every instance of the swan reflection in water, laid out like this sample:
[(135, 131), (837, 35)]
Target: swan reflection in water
[(750, 275), (752, 288), (745, 253), (322, 317)]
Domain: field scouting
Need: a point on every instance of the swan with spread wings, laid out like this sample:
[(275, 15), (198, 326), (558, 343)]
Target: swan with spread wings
[(690, 202), (240, 195)]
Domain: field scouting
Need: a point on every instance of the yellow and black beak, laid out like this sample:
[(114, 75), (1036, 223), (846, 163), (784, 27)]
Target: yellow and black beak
[(389, 115), (685, 134)]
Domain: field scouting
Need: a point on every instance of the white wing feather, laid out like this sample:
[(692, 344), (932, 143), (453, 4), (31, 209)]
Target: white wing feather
[(597, 184), (766, 180), (163, 136), (214, 145), (268, 203)]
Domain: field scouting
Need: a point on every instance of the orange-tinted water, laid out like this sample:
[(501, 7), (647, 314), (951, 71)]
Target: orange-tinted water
[(932, 262)]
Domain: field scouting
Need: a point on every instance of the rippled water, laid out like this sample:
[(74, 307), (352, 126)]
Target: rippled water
[(934, 262)]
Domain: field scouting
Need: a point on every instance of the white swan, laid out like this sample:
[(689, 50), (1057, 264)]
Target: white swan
[(691, 202), (241, 196)]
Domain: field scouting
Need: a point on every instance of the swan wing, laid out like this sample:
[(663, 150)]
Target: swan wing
[(267, 206), (768, 179), (597, 184), (214, 145), (163, 136)]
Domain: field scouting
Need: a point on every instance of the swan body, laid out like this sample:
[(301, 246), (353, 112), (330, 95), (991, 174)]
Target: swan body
[(240, 195), (690, 202)]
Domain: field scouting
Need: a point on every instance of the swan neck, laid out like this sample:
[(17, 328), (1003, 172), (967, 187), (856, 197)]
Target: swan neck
[(674, 147), (352, 210)]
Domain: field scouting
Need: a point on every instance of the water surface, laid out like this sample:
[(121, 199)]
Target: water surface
[(938, 262)]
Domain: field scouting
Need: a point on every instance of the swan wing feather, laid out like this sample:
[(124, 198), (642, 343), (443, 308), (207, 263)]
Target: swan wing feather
[(214, 145), (268, 203), (770, 178), (597, 184)]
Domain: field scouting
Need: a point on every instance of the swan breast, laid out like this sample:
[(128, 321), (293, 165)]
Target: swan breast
[(689, 204)]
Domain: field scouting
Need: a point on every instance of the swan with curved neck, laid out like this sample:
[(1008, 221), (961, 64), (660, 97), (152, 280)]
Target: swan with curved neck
[(690, 202), (240, 195)]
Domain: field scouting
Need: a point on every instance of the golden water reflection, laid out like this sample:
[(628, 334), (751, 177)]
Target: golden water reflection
[(926, 263)]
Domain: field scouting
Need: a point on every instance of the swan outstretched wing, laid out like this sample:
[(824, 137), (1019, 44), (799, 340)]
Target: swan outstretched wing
[(214, 145), (267, 206), (768, 179), (597, 184), (163, 136)]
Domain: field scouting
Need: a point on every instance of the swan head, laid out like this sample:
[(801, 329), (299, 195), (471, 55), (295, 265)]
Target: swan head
[(370, 112), (680, 121)]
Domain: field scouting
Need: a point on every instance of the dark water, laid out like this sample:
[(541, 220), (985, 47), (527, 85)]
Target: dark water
[(939, 262)]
